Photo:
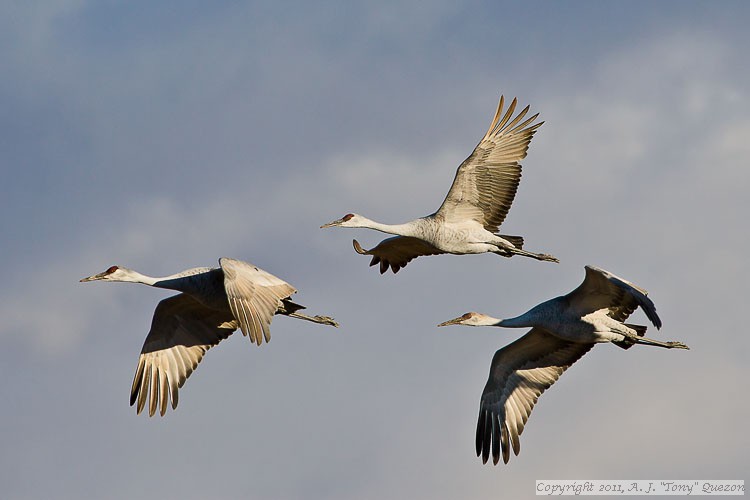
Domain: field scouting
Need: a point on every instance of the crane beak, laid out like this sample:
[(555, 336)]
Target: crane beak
[(337, 222), (456, 321), (92, 278)]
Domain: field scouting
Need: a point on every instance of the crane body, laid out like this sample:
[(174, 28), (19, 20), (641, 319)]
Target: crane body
[(476, 205), (563, 329), (213, 303)]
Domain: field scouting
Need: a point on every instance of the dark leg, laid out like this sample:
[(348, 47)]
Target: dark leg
[(647, 341), (537, 256), (323, 320)]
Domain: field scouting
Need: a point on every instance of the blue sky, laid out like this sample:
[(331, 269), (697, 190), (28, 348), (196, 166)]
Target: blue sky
[(162, 137)]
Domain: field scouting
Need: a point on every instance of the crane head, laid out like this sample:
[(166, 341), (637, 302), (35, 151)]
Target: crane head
[(349, 220), (114, 273), (470, 319)]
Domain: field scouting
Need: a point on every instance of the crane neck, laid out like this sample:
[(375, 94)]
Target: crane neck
[(136, 277), (486, 320), (171, 282), (546, 313), (522, 321), (408, 229)]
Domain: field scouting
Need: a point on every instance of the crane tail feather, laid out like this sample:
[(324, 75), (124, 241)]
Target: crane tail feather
[(639, 329), (516, 241)]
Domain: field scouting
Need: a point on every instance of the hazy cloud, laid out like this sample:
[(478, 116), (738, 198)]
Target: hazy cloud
[(162, 138)]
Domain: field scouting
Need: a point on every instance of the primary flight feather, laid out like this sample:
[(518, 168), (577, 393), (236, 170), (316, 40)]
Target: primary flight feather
[(563, 329), (476, 205), (213, 304)]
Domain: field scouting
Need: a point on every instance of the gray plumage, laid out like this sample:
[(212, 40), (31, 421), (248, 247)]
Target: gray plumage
[(563, 329), (476, 205), (213, 304)]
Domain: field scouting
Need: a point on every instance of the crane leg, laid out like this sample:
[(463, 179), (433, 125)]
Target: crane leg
[(647, 341), (323, 320), (510, 251)]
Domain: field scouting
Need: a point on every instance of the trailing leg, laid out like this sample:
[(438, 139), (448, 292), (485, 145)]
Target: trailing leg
[(629, 338), (537, 256), (322, 320)]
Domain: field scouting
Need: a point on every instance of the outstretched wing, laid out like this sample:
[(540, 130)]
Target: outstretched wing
[(182, 330), (601, 289), (396, 252), (520, 372), (486, 182), (254, 297)]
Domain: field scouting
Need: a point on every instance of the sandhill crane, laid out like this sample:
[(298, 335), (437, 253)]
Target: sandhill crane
[(214, 302), (476, 204), (562, 330)]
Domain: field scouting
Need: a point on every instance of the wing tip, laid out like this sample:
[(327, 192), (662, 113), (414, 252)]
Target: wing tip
[(644, 301), (358, 248)]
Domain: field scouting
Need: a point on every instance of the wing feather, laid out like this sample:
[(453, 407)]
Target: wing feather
[(182, 330), (601, 289), (396, 252), (254, 297), (486, 182), (520, 372)]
